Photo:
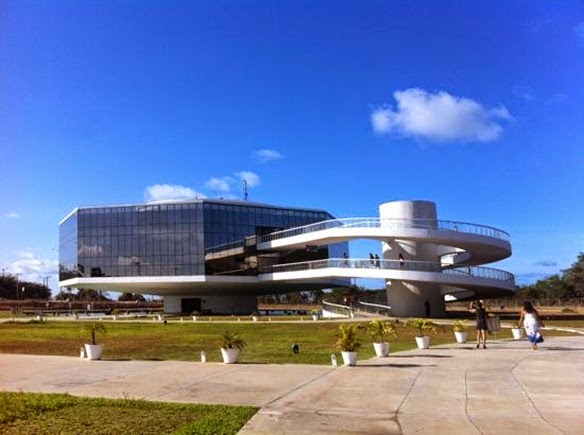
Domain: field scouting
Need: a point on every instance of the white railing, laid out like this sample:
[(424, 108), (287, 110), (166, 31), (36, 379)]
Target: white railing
[(374, 307), (337, 308), (454, 226), (366, 263)]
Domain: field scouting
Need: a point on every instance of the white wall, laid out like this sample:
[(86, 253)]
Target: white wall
[(406, 298)]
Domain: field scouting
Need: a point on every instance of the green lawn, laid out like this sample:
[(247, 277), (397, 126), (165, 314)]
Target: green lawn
[(30, 413), (268, 342)]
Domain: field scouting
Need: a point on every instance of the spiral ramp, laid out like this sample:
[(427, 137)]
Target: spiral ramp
[(425, 260)]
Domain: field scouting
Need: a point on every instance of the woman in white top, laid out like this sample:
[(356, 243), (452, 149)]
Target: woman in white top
[(531, 322)]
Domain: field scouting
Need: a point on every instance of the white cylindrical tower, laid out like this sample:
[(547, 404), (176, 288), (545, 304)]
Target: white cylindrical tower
[(408, 298)]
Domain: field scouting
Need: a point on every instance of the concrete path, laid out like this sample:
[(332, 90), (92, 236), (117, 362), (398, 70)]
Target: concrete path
[(506, 389)]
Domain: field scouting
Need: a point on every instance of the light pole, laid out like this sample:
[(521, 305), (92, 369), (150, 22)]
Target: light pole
[(16, 275)]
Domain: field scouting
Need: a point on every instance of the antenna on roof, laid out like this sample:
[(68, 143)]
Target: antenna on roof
[(245, 193)]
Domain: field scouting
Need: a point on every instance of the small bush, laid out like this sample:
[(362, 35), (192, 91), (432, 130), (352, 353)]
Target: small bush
[(568, 310)]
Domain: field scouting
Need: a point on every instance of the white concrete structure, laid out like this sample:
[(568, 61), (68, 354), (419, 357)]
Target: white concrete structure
[(424, 260)]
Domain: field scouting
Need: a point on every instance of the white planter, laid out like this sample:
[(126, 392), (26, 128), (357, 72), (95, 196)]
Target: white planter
[(194, 318), (349, 358), (381, 349), (315, 317), (115, 317), (461, 336), (230, 355), (93, 351), (517, 333), (423, 342), (255, 318)]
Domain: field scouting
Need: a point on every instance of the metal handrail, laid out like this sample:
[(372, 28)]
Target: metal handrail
[(224, 247), (415, 266), (370, 307), (443, 225), (337, 308)]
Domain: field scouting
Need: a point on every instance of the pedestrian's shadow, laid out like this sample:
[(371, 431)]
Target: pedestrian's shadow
[(421, 356), (395, 366)]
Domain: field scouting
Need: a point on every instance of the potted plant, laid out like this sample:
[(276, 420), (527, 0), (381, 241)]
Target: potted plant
[(195, 315), (348, 343), (232, 344), (460, 330), (255, 316), (314, 314), (115, 314), (517, 331), (379, 330), (422, 325), (93, 350)]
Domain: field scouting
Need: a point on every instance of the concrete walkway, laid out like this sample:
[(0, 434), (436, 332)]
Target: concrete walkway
[(506, 389)]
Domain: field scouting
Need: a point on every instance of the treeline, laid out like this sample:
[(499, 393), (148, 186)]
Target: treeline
[(88, 295), (13, 288), (556, 289)]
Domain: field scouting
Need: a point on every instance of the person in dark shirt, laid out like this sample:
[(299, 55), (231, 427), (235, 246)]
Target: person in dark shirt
[(481, 314)]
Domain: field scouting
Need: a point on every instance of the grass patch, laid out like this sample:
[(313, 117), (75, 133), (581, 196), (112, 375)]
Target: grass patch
[(65, 414), (268, 342)]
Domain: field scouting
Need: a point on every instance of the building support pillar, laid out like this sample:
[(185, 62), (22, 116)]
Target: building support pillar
[(409, 298)]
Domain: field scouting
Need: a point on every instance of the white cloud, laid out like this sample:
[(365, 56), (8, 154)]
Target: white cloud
[(523, 92), (170, 192), (34, 269), (439, 116), (546, 263), (266, 155), (91, 250), (222, 184), (12, 215), (251, 178)]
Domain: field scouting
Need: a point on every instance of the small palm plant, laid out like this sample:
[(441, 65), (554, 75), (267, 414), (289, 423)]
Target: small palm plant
[(232, 345), (459, 325), (347, 340), (460, 330), (380, 329), (232, 340), (422, 325), (94, 328)]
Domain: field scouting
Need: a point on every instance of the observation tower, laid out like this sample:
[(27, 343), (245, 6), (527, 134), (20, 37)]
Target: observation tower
[(439, 259)]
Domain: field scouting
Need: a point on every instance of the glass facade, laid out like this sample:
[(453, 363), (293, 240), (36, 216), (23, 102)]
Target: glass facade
[(172, 239)]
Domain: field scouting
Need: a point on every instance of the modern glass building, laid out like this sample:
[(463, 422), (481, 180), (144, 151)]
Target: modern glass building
[(200, 254)]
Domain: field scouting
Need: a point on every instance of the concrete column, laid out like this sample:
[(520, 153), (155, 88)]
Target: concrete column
[(408, 298)]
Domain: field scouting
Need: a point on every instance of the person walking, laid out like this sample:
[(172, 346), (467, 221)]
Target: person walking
[(345, 259), (532, 323), (481, 314)]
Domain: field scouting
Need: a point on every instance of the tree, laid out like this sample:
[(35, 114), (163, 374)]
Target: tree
[(11, 288), (574, 277), (131, 297), (91, 295)]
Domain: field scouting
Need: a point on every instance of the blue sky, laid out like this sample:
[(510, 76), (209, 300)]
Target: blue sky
[(477, 106)]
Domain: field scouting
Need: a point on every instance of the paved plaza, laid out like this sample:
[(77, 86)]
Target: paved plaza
[(455, 389)]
